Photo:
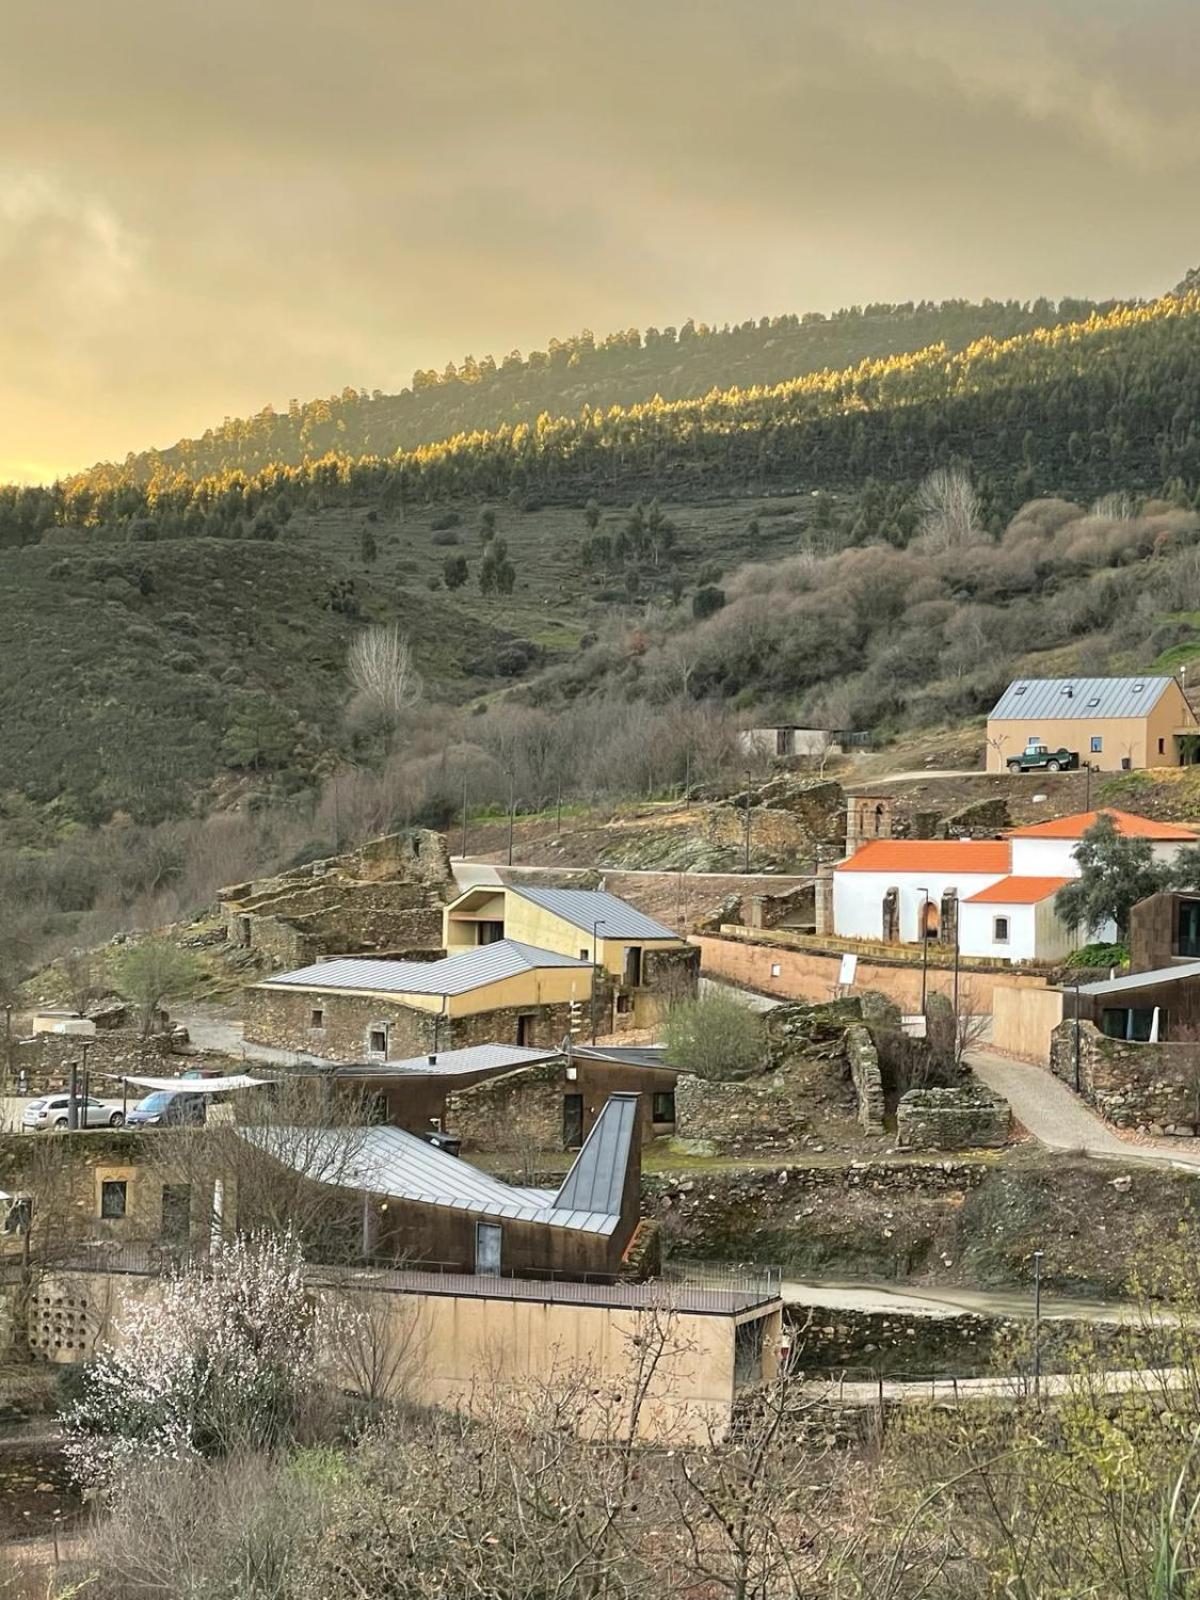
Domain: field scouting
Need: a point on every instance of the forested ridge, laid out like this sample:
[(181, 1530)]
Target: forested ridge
[(621, 369), (1078, 407)]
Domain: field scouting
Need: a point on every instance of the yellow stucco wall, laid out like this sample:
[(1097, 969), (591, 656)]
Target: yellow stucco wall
[(533, 924)]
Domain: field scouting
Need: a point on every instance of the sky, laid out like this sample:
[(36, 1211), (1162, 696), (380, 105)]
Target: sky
[(209, 205)]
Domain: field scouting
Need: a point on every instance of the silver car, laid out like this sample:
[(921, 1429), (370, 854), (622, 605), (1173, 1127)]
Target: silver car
[(51, 1111)]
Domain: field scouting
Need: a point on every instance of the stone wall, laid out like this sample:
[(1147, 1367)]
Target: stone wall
[(284, 1020), (755, 1114), (518, 1111), (45, 1058), (1154, 1087), (865, 1076), (962, 1118)]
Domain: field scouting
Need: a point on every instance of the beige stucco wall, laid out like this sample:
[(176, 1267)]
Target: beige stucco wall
[(1133, 738), (458, 1351), (1023, 1020), (541, 986), (533, 924)]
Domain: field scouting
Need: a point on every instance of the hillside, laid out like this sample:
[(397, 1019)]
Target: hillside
[(622, 369)]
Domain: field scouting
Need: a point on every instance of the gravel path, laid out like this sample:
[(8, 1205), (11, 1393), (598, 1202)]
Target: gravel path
[(1057, 1118)]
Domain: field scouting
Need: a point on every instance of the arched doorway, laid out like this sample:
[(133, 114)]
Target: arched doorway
[(933, 920)]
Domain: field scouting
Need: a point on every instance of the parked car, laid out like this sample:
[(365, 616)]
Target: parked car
[(52, 1111), (1037, 758), (168, 1108)]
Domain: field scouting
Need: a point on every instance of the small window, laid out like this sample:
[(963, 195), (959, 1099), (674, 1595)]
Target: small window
[(1094, 701), (113, 1195), (316, 1017), (776, 969), (1162, 747), (1000, 930), (1138, 687), (1020, 689), (377, 1041), (664, 1106), (1097, 744), (624, 1004), (584, 956), (1068, 691)]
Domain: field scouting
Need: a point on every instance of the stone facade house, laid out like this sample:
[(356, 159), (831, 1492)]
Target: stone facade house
[(353, 1010)]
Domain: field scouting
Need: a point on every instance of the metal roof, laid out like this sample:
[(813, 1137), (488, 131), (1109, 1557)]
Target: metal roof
[(596, 1180), (629, 1055), (388, 1161), (583, 908), (1140, 980), (1042, 699), (474, 1058), (457, 974)]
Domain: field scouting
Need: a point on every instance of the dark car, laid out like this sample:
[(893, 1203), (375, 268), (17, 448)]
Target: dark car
[(168, 1108)]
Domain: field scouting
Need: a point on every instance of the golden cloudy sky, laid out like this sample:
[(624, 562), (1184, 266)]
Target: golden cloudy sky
[(206, 205)]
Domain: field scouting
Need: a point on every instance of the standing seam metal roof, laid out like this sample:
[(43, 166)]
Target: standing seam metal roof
[(1034, 699), (389, 1161), (584, 907), (1139, 980), (457, 974), (471, 1058), (597, 1177)]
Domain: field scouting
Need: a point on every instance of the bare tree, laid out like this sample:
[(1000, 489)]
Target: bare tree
[(948, 509), (384, 675), (82, 979)]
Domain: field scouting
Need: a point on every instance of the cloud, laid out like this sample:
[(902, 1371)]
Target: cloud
[(209, 206)]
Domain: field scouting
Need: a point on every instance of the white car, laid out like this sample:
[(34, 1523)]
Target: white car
[(51, 1111)]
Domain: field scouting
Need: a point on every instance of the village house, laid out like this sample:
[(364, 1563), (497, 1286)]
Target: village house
[(993, 898), (509, 1097), (1113, 724), (640, 962), (371, 1010)]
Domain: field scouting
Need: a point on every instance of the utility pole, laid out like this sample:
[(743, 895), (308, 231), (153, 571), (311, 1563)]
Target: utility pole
[(73, 1096), (687, 776), (84, 1046), (464, 821), (746, 867), (1037, 1323), (1078, 1089), (558, 809), (596, 926), (337, 818), (512, 813)]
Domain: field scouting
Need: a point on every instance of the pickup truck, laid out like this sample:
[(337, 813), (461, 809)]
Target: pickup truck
[(1036, 758)]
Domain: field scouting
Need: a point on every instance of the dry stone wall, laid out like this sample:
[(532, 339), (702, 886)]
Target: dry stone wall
[(1154, 1087), (965, 1117)]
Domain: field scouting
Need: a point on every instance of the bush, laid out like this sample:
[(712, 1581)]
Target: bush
[(445, 537), (446, 519), (707, 602), (716, 1036), (1099, 955)]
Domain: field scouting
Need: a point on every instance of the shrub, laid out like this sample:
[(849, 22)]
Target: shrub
[(716, 1036), (707, 602), (446, 519), (445, 537), (1099, 955)]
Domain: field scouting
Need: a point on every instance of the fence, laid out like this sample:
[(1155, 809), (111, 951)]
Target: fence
[(699, 1287)]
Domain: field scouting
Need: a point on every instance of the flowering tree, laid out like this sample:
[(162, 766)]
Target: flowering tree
[(222, 1359)]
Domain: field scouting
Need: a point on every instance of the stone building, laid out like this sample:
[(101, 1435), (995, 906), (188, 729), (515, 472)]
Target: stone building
[(386, 896), (354, 1010)]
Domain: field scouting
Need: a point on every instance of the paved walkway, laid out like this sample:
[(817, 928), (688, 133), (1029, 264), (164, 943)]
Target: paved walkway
[(1059, 1119), (907, 1300)]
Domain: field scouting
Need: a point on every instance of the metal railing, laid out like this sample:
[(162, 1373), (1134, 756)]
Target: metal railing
[(701, 1287)]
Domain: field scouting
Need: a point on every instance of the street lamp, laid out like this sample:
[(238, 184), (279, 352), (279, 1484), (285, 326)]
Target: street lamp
[(599, 923), (746, 867), (924, 949), (1037, 1322)]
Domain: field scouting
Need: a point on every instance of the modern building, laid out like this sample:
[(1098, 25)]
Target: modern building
[(995, 898), (639, 961), (1164, 931), (1115, 724), (355, 1010)]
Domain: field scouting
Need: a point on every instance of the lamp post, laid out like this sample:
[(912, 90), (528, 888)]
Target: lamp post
[(599, 923), (1077, 1072), (464, 821), (924, 948), (1037, 1323), (747, 853), (512, 813)]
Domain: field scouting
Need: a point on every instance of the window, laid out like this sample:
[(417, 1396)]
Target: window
[(585, 955), (317, 1017), (624, 1004), (1000, 930), (1020, 689), (1094, 701), (748, 1353), (664, 1106), (176, 1212), (1188, 941), (776, 969), (633, 965), (1132, 1023), (572, 1121), (377, 1041), (1138, 687), (525, 1026), (1097, 744), (113, 1195), (1162, 747)]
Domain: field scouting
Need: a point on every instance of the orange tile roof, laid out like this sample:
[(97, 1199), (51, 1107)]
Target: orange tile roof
[(930, 855), (1129, 826), (1017, 892)]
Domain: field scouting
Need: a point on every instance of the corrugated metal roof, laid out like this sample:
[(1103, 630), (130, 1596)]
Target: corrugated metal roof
[(1016, 892), (388, 1161), (583, 908), (930, 855), (457, 974), (597, 1178), (1126, 823), (1140, 980), (473, 1058), (1034, 699)]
